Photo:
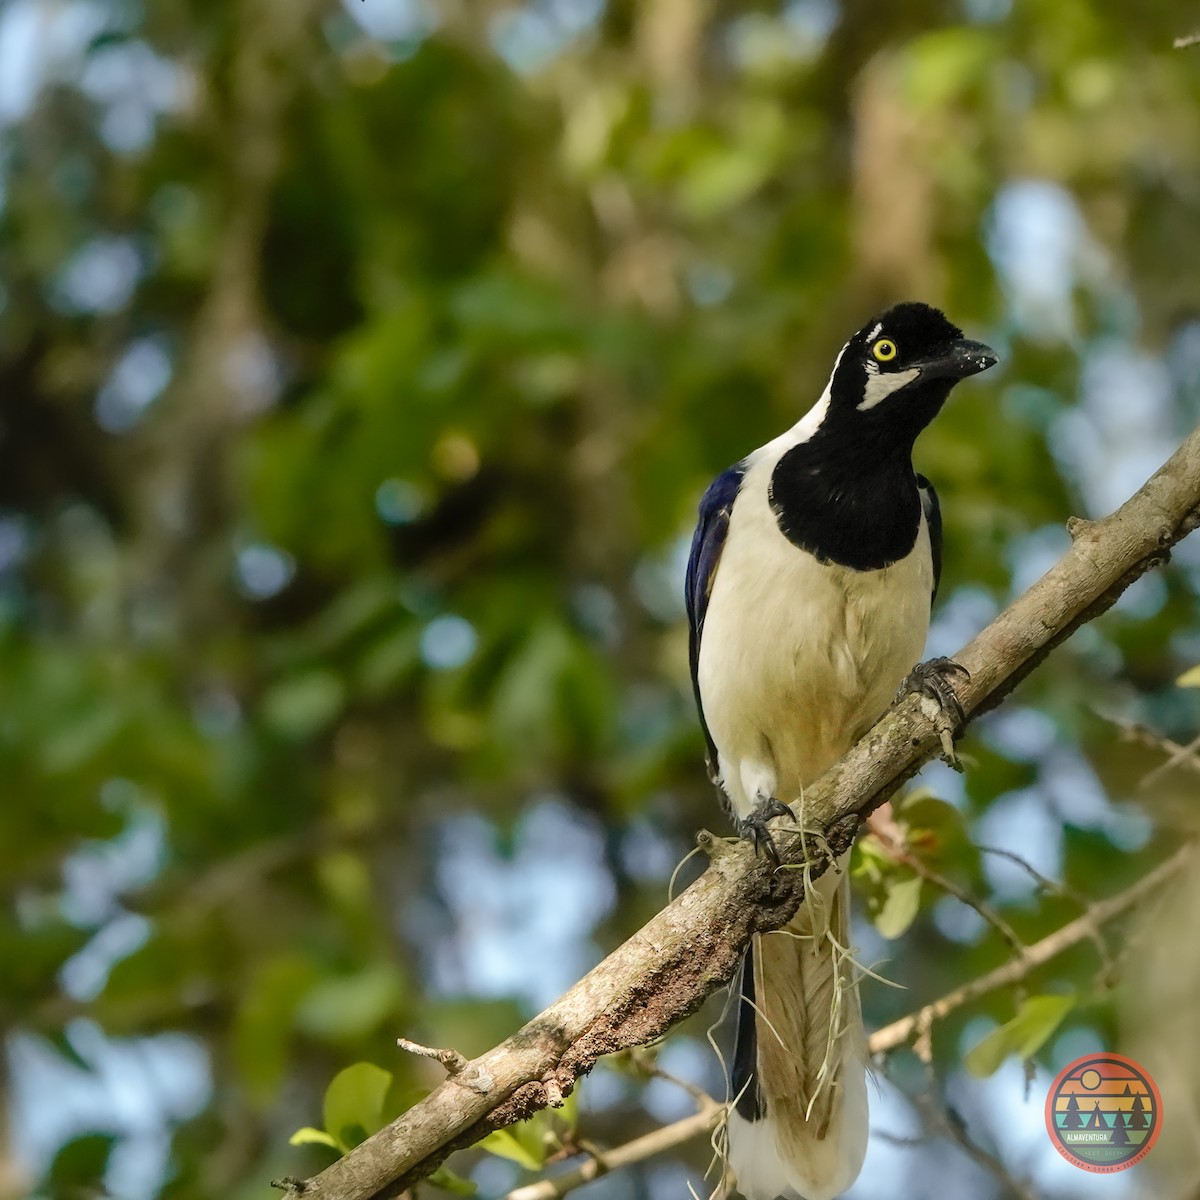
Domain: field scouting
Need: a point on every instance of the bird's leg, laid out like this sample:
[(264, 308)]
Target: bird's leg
[(754, 827), (931, 678)]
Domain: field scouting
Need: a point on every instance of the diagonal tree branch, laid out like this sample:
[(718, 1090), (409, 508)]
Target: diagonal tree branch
[(667, 969), (647, 1146)]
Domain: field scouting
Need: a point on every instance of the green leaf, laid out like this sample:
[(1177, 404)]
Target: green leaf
[(505, 1143), (448, 1181), (869, 860), (900, 908), (530, 1142), (1036, 1019), (308, 1136), (1190, 677), (354, 1103)]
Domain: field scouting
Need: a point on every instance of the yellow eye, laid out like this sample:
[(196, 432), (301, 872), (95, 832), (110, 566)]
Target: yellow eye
[(884, 350)]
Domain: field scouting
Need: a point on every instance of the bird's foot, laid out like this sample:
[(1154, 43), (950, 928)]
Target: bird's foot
[(932, 679), (754, 827)]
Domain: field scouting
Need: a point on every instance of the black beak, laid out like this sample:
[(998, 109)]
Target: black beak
[(959, 359)]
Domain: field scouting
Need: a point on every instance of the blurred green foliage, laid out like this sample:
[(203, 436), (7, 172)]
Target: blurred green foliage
[(360, 368)]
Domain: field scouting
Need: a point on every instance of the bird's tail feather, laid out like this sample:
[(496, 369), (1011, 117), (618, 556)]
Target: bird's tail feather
[(799, 1122)]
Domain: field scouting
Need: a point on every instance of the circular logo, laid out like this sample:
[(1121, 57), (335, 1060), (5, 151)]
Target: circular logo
[(1103, 1112)]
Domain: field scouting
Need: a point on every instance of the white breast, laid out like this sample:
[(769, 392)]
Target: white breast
[(797, 659)]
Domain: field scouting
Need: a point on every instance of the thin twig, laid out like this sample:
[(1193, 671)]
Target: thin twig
[(1183, 756), (1189, 39), (903, 1141), (1180, 756), (1045, 882), (1058, 888), (985, 910), (650, 1144), (701, 1097), (948, 1121), (1034, 956), (450, 1059)]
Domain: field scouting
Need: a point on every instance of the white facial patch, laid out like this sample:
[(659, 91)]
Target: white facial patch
[(875, 332), (880, 387)]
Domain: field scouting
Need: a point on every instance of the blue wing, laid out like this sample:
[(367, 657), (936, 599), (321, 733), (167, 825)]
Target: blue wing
[(707, 543), (933, 516)]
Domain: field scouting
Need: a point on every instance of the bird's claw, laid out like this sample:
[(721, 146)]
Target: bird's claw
[(754, 827), (930, 679)]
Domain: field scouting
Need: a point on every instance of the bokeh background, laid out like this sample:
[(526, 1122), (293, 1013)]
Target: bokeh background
[(361, 366)]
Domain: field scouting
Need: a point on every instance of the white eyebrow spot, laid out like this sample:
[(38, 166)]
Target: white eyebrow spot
[(875, 332), (880, 387)]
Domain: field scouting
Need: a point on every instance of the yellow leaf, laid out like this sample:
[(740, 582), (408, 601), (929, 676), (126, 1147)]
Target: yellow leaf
[(503, 1143), (310, 1136), (900, 908), (1036, 1020)]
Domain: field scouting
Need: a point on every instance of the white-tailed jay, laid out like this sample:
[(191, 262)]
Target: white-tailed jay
[(808, 593)]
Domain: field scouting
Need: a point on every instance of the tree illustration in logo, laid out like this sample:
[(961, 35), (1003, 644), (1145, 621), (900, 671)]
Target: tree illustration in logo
[(1137, 1118), (1119, 1136), (1072, 1120)]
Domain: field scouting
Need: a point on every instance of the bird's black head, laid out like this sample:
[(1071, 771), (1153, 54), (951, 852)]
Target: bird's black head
[(895, 373), (846, 491)]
